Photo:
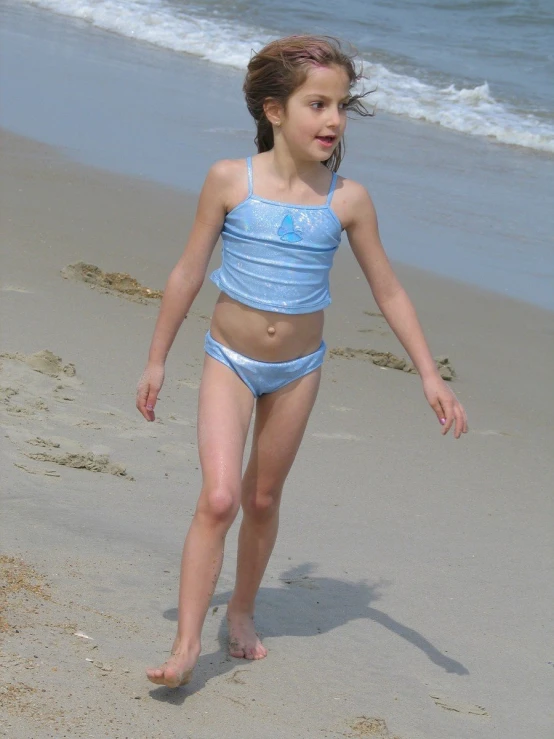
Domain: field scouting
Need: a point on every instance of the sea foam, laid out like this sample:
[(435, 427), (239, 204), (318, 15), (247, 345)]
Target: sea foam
[(471, 111)]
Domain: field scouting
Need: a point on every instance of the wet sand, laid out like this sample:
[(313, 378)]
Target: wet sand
[(410, 591)]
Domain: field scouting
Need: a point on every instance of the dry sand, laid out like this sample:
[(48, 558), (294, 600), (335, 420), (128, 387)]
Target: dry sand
[(410, 593)]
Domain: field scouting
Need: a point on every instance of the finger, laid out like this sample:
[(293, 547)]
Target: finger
[(437, 407), (143, 391), (142, 394), (465, 425), (449, 418), (459, 424), (151, 403)]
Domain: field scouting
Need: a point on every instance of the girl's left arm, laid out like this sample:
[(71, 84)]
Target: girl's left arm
[(363, 234)]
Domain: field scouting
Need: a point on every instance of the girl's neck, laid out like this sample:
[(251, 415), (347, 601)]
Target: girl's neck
[(288, 170)]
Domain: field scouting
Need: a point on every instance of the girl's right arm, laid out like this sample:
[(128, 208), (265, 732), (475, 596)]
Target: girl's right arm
[(185, 281)]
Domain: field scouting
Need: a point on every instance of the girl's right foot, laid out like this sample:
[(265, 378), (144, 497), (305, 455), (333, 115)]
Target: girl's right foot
[(176, 671)]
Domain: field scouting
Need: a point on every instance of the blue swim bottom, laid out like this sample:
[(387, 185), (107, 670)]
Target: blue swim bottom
[(264, 377)]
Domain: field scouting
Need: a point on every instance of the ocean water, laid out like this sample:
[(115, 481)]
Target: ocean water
[(481, 67), (463, 205)]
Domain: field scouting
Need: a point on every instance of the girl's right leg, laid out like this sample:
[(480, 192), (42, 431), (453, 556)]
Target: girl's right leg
[(224, 413)]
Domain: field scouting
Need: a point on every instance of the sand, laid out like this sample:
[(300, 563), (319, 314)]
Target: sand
[(410, 592)]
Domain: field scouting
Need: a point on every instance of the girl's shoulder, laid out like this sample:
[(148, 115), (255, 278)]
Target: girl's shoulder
[(228, 171), (351, 201), (351, 189), (226, 180)]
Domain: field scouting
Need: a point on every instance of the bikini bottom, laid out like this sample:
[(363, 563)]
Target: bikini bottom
[(264, 377)]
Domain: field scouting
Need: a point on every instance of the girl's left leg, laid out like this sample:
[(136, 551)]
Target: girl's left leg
[(281, 419)]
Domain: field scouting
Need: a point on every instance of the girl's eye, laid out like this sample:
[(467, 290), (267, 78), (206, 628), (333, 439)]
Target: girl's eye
[(318, 105)]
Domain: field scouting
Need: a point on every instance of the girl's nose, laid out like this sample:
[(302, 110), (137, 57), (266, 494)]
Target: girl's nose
[(334, 117)]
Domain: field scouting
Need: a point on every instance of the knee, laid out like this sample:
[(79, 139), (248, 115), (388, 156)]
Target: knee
[(219, 504), (262, 503)]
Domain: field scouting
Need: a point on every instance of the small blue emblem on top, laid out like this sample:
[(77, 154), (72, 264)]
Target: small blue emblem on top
[(287, 232)]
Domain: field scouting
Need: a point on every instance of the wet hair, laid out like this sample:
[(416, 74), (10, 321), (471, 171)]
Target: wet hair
[(278, 69)]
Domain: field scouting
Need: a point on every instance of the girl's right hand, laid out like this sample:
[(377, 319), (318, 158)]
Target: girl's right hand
[(148, 388)]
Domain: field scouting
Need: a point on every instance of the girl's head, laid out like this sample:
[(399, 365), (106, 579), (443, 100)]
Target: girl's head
[(281, 67)]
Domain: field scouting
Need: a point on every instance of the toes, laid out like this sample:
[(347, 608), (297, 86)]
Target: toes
[(168, 677), (157, 679), (258, 652)]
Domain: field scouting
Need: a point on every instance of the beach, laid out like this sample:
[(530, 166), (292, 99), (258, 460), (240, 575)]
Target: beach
[(410, 568), (409, 595)]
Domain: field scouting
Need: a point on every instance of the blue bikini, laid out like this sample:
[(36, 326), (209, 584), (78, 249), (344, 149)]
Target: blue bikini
[(276, 257), (264, 377)]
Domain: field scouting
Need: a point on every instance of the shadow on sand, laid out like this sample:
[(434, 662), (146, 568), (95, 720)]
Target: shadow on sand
[(306, 605)]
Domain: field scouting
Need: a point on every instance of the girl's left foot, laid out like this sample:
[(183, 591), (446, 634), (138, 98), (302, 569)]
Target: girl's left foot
[(176, 671), (243, 640)]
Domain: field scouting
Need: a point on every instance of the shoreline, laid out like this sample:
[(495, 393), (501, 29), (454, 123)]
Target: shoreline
[(382, 516), (456, 207)]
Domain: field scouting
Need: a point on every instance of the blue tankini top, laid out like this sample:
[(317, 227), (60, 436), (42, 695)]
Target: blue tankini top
[(277, 256)]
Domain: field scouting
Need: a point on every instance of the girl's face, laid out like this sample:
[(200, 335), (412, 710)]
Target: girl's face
[(314, 118)]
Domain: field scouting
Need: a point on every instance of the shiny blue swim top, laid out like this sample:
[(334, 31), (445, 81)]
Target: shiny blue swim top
[(277, 256)]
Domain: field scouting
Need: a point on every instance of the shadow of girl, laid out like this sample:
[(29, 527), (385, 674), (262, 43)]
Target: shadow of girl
[(306, 605)]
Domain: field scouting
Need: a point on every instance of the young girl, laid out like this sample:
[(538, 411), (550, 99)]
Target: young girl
[(280, 215)]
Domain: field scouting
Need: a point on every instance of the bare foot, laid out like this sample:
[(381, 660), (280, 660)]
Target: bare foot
[(243, 640), (175, 672)]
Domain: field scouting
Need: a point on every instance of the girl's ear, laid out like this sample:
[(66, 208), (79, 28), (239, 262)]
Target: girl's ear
[(273, 111)]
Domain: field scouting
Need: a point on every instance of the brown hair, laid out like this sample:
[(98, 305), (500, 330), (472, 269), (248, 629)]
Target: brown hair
[(281, 67)]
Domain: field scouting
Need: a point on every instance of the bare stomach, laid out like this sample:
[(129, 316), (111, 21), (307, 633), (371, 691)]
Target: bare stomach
[(264, 335)]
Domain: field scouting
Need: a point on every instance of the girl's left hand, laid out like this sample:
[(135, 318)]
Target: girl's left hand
[(446, 405)]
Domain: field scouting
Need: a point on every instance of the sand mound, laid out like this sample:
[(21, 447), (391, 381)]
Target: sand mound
[(118, 283), (85, 461), (371, 727), (388, 359), (44, 361)]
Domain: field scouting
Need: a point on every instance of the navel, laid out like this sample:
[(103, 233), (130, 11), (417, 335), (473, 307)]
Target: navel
[(271, 330)]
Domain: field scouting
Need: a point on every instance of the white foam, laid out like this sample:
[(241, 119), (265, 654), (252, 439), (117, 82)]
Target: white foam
[(472, 111), (221, 42)]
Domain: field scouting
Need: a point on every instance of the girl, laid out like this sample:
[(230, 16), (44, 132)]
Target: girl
[(280, 215)]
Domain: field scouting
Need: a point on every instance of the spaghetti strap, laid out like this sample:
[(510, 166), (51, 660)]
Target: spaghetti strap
[(331, 189), (250, 181)]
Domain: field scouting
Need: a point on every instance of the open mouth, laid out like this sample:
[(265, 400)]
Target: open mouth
[(326, 140)]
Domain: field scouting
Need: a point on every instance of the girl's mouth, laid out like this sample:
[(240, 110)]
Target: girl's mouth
[(326, 140)]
